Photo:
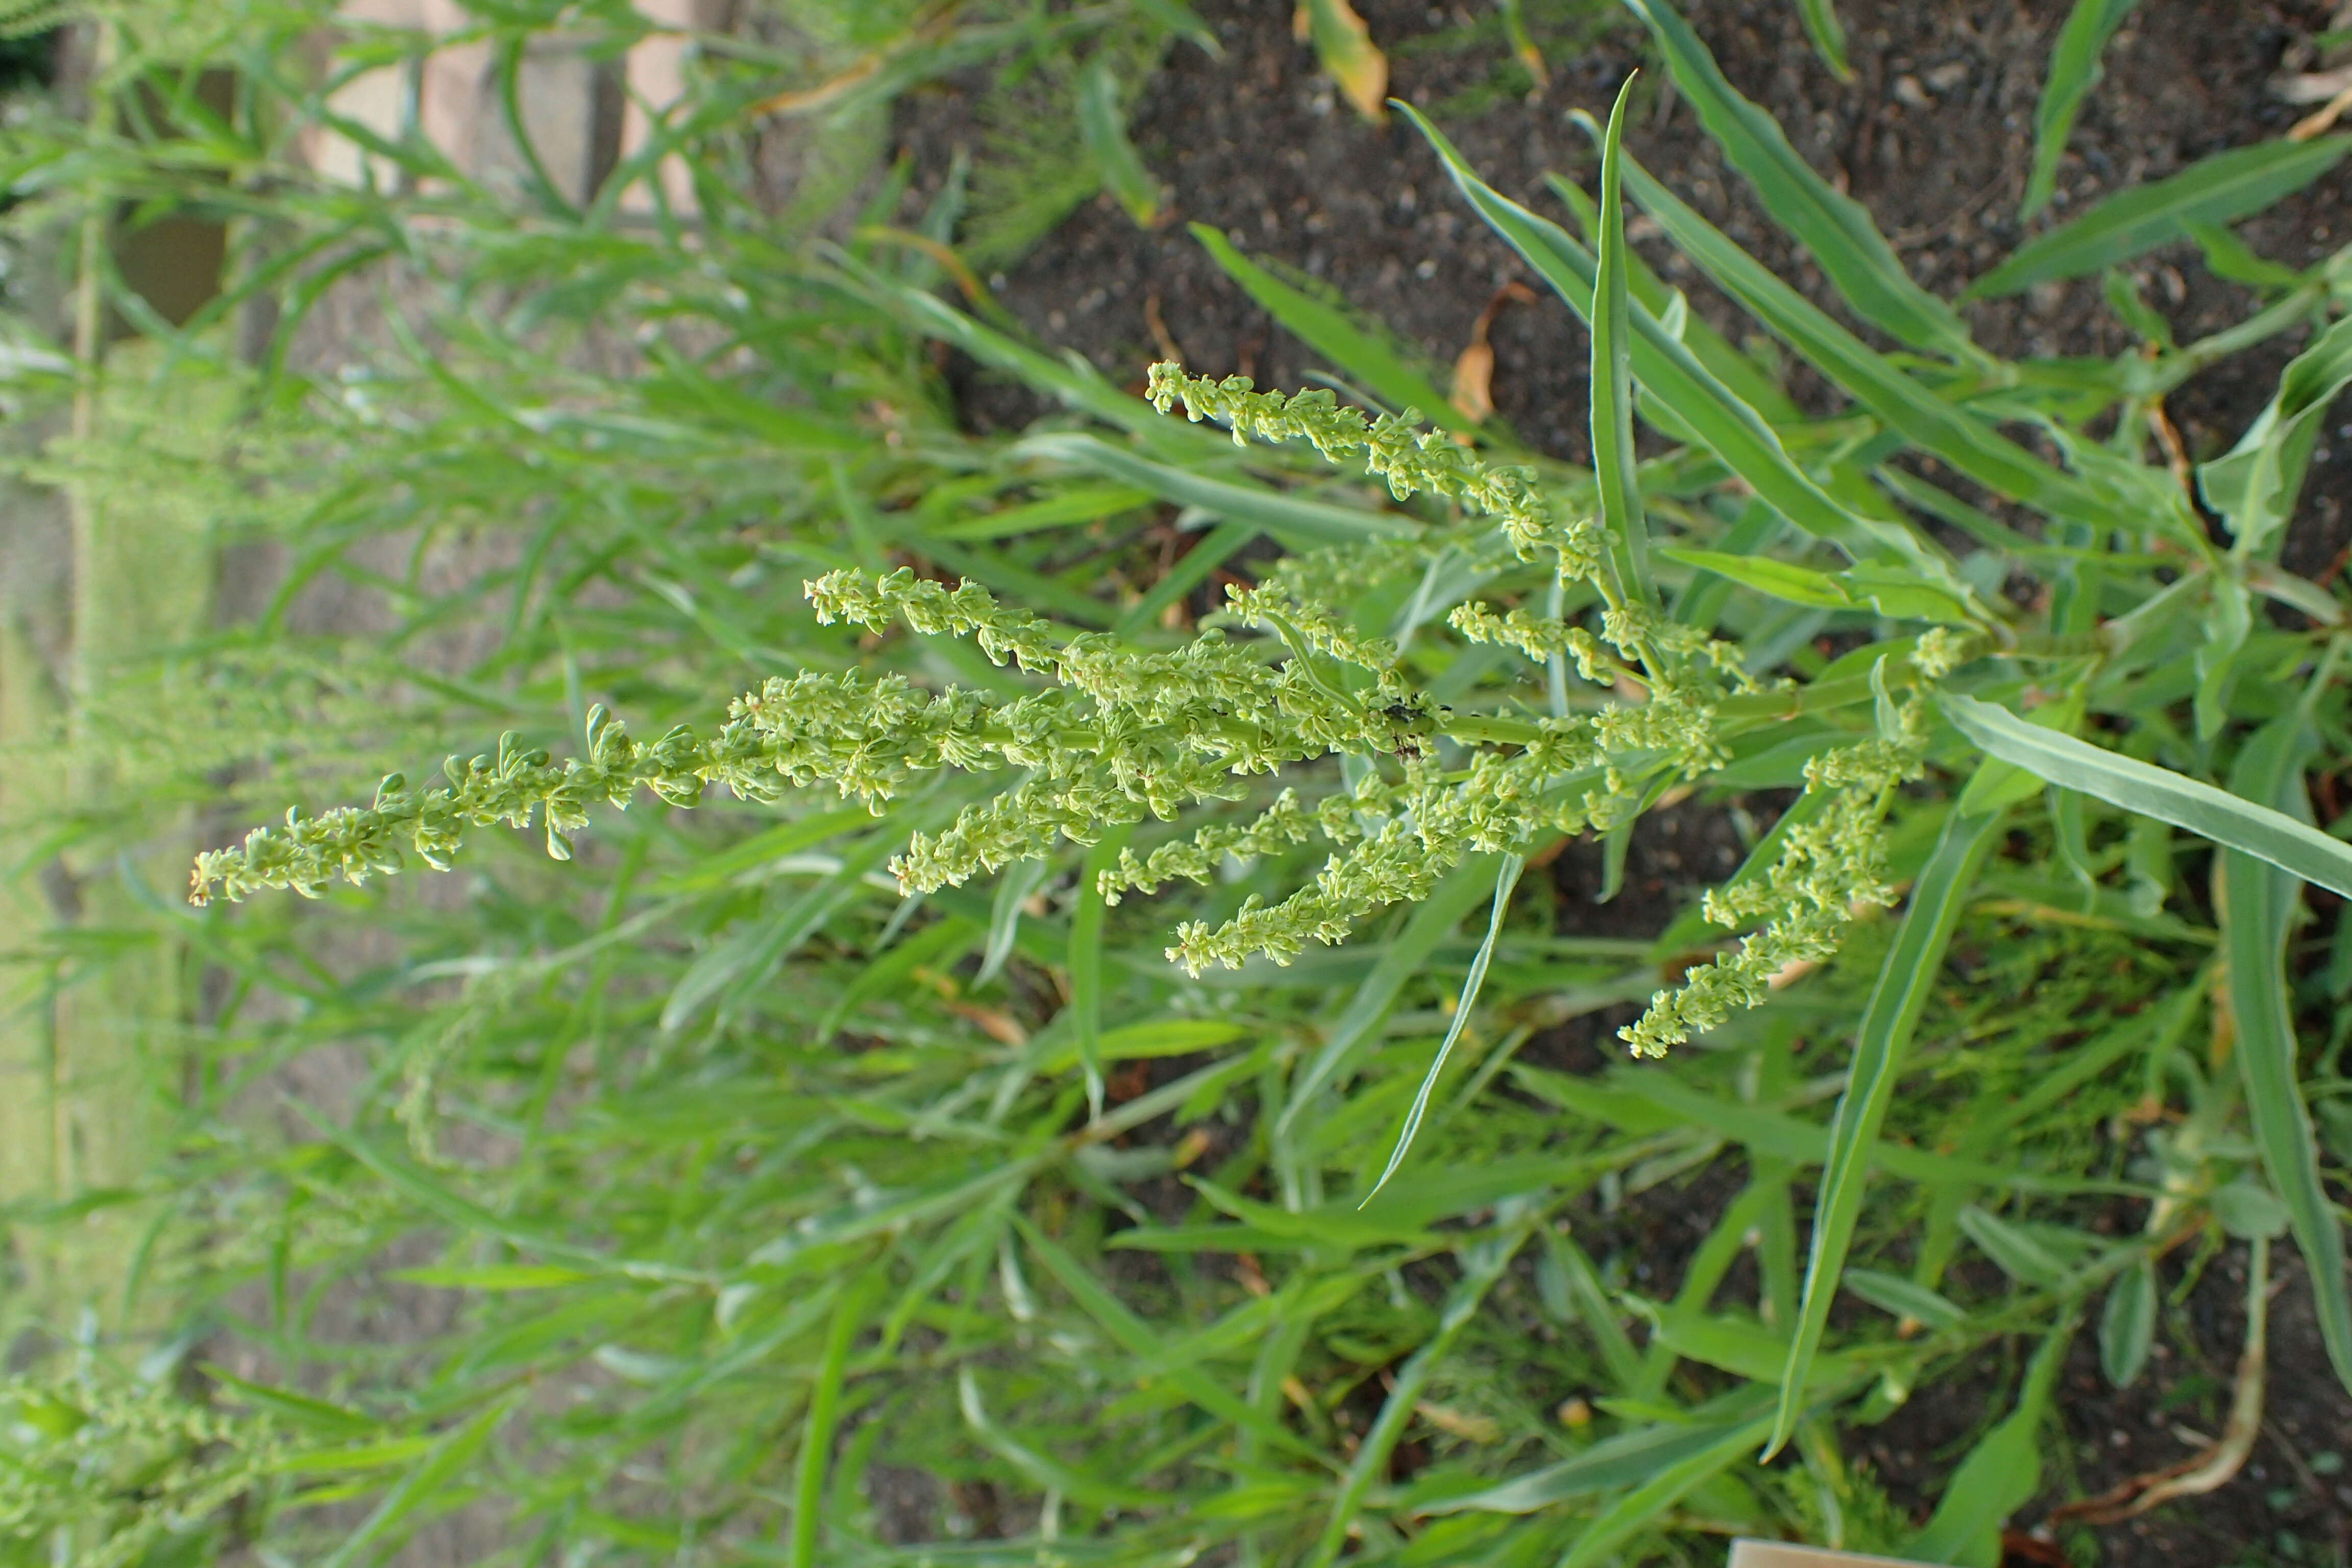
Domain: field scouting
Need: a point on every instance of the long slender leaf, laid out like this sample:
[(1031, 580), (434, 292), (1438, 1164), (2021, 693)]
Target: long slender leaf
[(1433, 920), (1287, 517), (1363, 356), (824, 1414), (2001, 1474), (2226, 818), (1086, 958), (451, 1456), (1834, 226), (2128, 1324), (2221, 189), (1506, 877), (2254, 486), (1727, 427), (1102, 125), (2257, 903), (1880, 1043), (1612, 380), (1139, 1340), (1936, 424), (1482, 1263), (1822, 26), (1665, 1489), (1623, 1460), (2073, 71)]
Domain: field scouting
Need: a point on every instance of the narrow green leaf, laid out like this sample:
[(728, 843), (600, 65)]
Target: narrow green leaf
[(825, 1415), (2231, 259), (1224, 542), (1667, 1487), (742, 960), (2014, 1251), (2225, 819), (1102, 126), (1624, 1460), (2254, 486), (1506, 877), (1087, 504), (2128, 1324), (1362, 356), (1997, 783), (1177, 18), (1881, 1041), (2229, 620), (1482, 1263), (298, 1409), (1085, 957), (492, 1277), (1898, 593), (2073, 71), (1433, 920), (1612, 377), (1935, 424), (453, 1456), (428, 1192), (1774, 579), (1822, 26), (1044, 1470), (1836, 228), (1139, 1339), (1287, 517), (1748, 380), (1903, 1297), (2001, 1474), (2221, 189), (1164, 1037), (1077, 385), (2256, 906), (1014, 887), (1727, 427)]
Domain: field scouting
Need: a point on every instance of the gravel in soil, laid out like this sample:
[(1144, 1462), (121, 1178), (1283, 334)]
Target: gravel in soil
[(1934, 136)]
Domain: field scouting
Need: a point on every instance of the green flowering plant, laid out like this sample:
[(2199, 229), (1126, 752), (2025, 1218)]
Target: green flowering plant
[(1124, 733), (2050, 658), (108, 1471)]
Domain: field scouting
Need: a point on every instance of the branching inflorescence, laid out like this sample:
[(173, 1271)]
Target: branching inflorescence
[(1122, 734)]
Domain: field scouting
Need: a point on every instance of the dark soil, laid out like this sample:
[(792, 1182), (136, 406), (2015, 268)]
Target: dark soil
[(1934, 136)]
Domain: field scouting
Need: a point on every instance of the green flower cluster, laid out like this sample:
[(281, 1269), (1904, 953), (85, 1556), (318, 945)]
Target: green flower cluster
[(107, 1473), (1831, 869), (1391, 446), (1121, 733)]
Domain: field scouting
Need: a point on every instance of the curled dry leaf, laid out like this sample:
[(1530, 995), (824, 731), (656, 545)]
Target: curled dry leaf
[(1474, 372)]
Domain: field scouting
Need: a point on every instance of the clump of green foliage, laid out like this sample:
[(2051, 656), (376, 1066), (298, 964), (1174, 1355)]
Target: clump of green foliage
[(779, 1154)]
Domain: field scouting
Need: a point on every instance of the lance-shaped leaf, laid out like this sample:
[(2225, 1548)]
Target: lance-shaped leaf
[(1881, 1042), (1935, 424), (2221, 189), (1693, 396), (2073, 71), (1834, 226), (1612, 377), (1102, 126), (2257, 902), (2225, 819), (2255, 484), (1364, 356)]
